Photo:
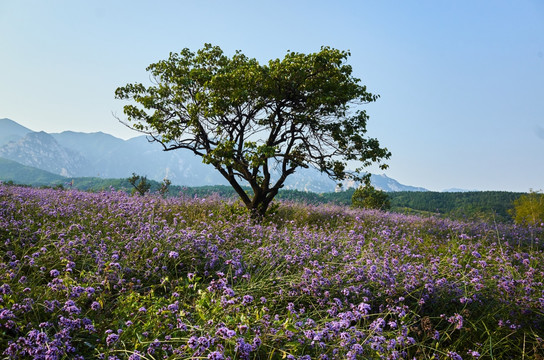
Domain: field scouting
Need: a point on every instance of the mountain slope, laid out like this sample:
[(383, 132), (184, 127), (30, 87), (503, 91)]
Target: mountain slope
[(41, 150), (112, 157), (385, 183), (21, 174), (11, 131)]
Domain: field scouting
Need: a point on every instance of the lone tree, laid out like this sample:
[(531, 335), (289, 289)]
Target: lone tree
[(256, 124), (140, 184)]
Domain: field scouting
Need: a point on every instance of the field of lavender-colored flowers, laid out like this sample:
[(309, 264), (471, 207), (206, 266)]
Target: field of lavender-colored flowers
[(109, 276)]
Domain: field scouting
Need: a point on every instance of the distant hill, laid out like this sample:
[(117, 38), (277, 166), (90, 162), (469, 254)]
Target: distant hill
[(100, 155), (486, 205), (457, 190), (13, 171)]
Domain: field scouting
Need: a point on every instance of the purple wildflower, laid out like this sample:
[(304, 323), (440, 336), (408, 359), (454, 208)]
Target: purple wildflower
[(111, 339)]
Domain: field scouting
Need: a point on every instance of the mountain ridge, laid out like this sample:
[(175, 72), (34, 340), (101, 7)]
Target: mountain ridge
[(98, 154), (11, 131)]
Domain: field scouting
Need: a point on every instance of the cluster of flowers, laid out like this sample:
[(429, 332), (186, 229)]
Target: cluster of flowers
[(107, 275)]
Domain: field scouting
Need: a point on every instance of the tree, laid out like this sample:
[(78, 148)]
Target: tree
[(370, 198), (256, 124), (164, 188), (529, 209), (140, 184)]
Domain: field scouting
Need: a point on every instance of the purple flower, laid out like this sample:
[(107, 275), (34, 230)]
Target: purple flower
[(6, 314), (242, 348), (216, 355), (291, 308), (111, 339), (192, 342), (364, 308), (54, 273), (457, 320), (225, 333), (71, 308), (257, 342), (5, 289), (203, 342), (173, 307), (135, 355), (173, 254), (453, 355), (377, 325)]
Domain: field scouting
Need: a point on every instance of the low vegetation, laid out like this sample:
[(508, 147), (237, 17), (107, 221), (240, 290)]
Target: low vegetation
[(112, 276), (369, 197)]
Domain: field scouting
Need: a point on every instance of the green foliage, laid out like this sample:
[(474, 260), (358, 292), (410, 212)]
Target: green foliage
[(246, 119), (140, 184), (529, 209), (370, 198), (483, 205)]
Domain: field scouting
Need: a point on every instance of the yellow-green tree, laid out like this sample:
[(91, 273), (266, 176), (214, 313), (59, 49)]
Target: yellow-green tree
[(529, 209), (371, 198)]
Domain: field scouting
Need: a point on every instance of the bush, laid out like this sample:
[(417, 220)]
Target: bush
[(369, 197), (529, 209)]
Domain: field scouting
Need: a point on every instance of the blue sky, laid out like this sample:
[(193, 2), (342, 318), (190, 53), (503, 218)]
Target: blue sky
[(461, 82)]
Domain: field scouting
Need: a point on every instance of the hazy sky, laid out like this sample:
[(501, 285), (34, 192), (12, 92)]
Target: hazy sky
[(461, 82)]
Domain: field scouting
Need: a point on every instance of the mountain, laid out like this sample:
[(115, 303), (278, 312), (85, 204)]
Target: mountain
[(457, 190), (11, 131), (313, 181), (75, 154), (385, 183), (112, 157), (42, 151)]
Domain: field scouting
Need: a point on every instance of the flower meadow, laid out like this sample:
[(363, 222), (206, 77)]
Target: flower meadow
[(110, 276)]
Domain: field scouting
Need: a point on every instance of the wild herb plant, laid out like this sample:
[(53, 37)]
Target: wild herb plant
[(106, 275)]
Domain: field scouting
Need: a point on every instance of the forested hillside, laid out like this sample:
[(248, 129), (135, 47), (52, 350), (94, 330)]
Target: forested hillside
[(486, 205)]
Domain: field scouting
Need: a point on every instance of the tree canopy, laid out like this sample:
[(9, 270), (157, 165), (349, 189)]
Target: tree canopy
[(370, 198), (529, 209), (256, 124)]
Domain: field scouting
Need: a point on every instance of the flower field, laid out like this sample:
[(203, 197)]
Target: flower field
[(109, 276)]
